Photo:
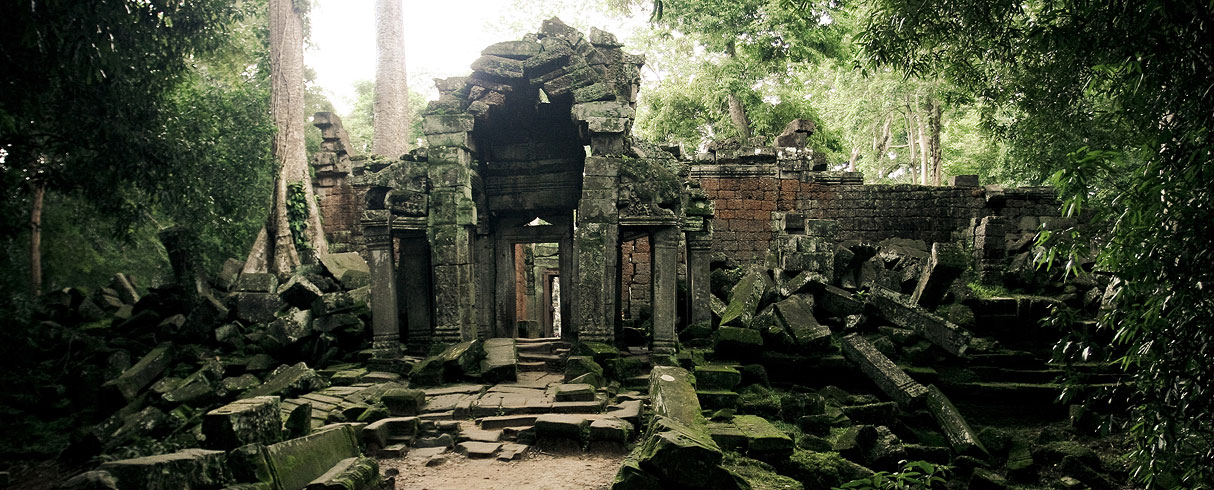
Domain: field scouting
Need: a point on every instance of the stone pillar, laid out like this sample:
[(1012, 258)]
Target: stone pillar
[(417, 292), (699, 281), (566, 280), (486, 280), (385, 324), (664, 247), (595, 241), (451, 227)]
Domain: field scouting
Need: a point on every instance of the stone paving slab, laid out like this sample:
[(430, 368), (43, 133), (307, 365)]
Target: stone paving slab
[(454, 389), (478, 449)]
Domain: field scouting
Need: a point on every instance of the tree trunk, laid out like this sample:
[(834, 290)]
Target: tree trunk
[(933, 129), (39, 191), (737, 111), (391, 137), (883, 148), (855, 155), (910, 140), (924, 157), (274, 250)]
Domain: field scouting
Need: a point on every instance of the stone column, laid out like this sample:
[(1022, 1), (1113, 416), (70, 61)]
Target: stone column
[(385, 324), (699, 281), (664, 246), (595, 241), (416, 290), (451, 227)]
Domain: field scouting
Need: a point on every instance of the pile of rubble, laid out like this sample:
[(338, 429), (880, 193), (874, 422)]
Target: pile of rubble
[(836, 361)]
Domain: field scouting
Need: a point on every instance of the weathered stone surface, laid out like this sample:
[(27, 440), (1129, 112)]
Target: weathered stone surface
[(189, 469), (247, 421), (462, 359), (358, 473), (475, 450), (428, 372), (568, 426), (682, 454), (956, 429), (892, 380), (797, 315), (716, 376), (945, 265), (574, 392), (255, 282), (131, 381), (501, 361), (256, 307), (611, 430), (403, 402), (289, 381), (576, 366), (838, 302), (897, 310), (672, 395), (763, 440), (383, 432), (738, 343), (89, 480), (199, 388), (518, 50), (746, 297), (299, 292), (298, 462), (125, 288), (498, 66)]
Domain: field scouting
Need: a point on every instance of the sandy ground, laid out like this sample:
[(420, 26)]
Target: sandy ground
[(533, 470)]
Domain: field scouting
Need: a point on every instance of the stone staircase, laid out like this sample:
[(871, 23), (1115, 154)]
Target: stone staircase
[(542, 355)]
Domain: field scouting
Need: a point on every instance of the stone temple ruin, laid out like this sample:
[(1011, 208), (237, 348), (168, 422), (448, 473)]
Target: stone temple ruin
[(740, 318)]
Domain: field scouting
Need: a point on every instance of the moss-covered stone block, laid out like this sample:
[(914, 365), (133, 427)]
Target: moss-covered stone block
[(600, 352), (717, 377), (403, 402), (578, 365), (821, 469), (681, 454), (182, 470), (248, 421), (738, 343), (763, 440), (428, 372)]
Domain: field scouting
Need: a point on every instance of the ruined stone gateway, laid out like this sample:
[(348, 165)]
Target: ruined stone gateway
[(745, 317)]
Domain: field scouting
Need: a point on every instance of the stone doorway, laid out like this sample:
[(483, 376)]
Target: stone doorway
[(532, 255)]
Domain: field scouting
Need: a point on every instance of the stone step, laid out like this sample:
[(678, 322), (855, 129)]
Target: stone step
[(552, 362), (717, 399), (1005, 375), (473, 449), (532, 366), (503, 421)]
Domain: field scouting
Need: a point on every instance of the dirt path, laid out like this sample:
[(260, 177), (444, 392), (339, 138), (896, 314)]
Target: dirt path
[(533, 471)]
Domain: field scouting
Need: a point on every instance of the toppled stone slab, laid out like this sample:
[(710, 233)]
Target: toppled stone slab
[(897, 310), (384, 432), (462, 360), (298, 462), (574, 392), (359, 473), (892, 380), (960, 436), (188, 469), (131, 381), (611, 430), (797, 316), (680, 454), (503, 421), (746, 297), (763, 440), (341, 264), (717, 377), (501, 361), (673, 396), (288, 381), (578, 365), (403, 402), (250, 421), (299, 292), (475, 450), (944, 266), (567, 426), (738, 343), (836, 301)]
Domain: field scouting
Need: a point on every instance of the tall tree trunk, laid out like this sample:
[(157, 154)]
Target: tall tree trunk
[(933, 129), (391, 88), (924, 156), (910, 139), (883, 147), (39, 191), (737, 111), (274, 249), (855, 155)]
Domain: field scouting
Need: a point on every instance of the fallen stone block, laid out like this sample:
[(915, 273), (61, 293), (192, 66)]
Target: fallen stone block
[(566, 426), (680, 454), (944, 266), (254, 307), (126, 386), (501, 361), (578, 365), (248, 421), (797, 316), (835, 301), (746, 297), (299, 292), (717, 399), (289, 381), (125, 288), (672, 395), (89, 480), (738, 343), (403, 402), (717, 377), (340, 264), (763, 440), (897, 310), (611, 430), (428, 372), (574, 392), (384, 432), (478, 450), (188, 469), (462, 360), (960, 436), (358, 473), (200, 388), (891, 379), (297, 462)]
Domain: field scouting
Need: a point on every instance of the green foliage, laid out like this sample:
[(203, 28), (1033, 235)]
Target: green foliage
[(915, 475), (987, 291), (1113, 101), (297, 215)]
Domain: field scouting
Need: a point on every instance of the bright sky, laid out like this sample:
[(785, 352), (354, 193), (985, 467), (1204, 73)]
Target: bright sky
[(442, 38)]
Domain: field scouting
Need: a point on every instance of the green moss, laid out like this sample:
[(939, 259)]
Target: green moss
[(822, 469), (760, 475), (987, 291)]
